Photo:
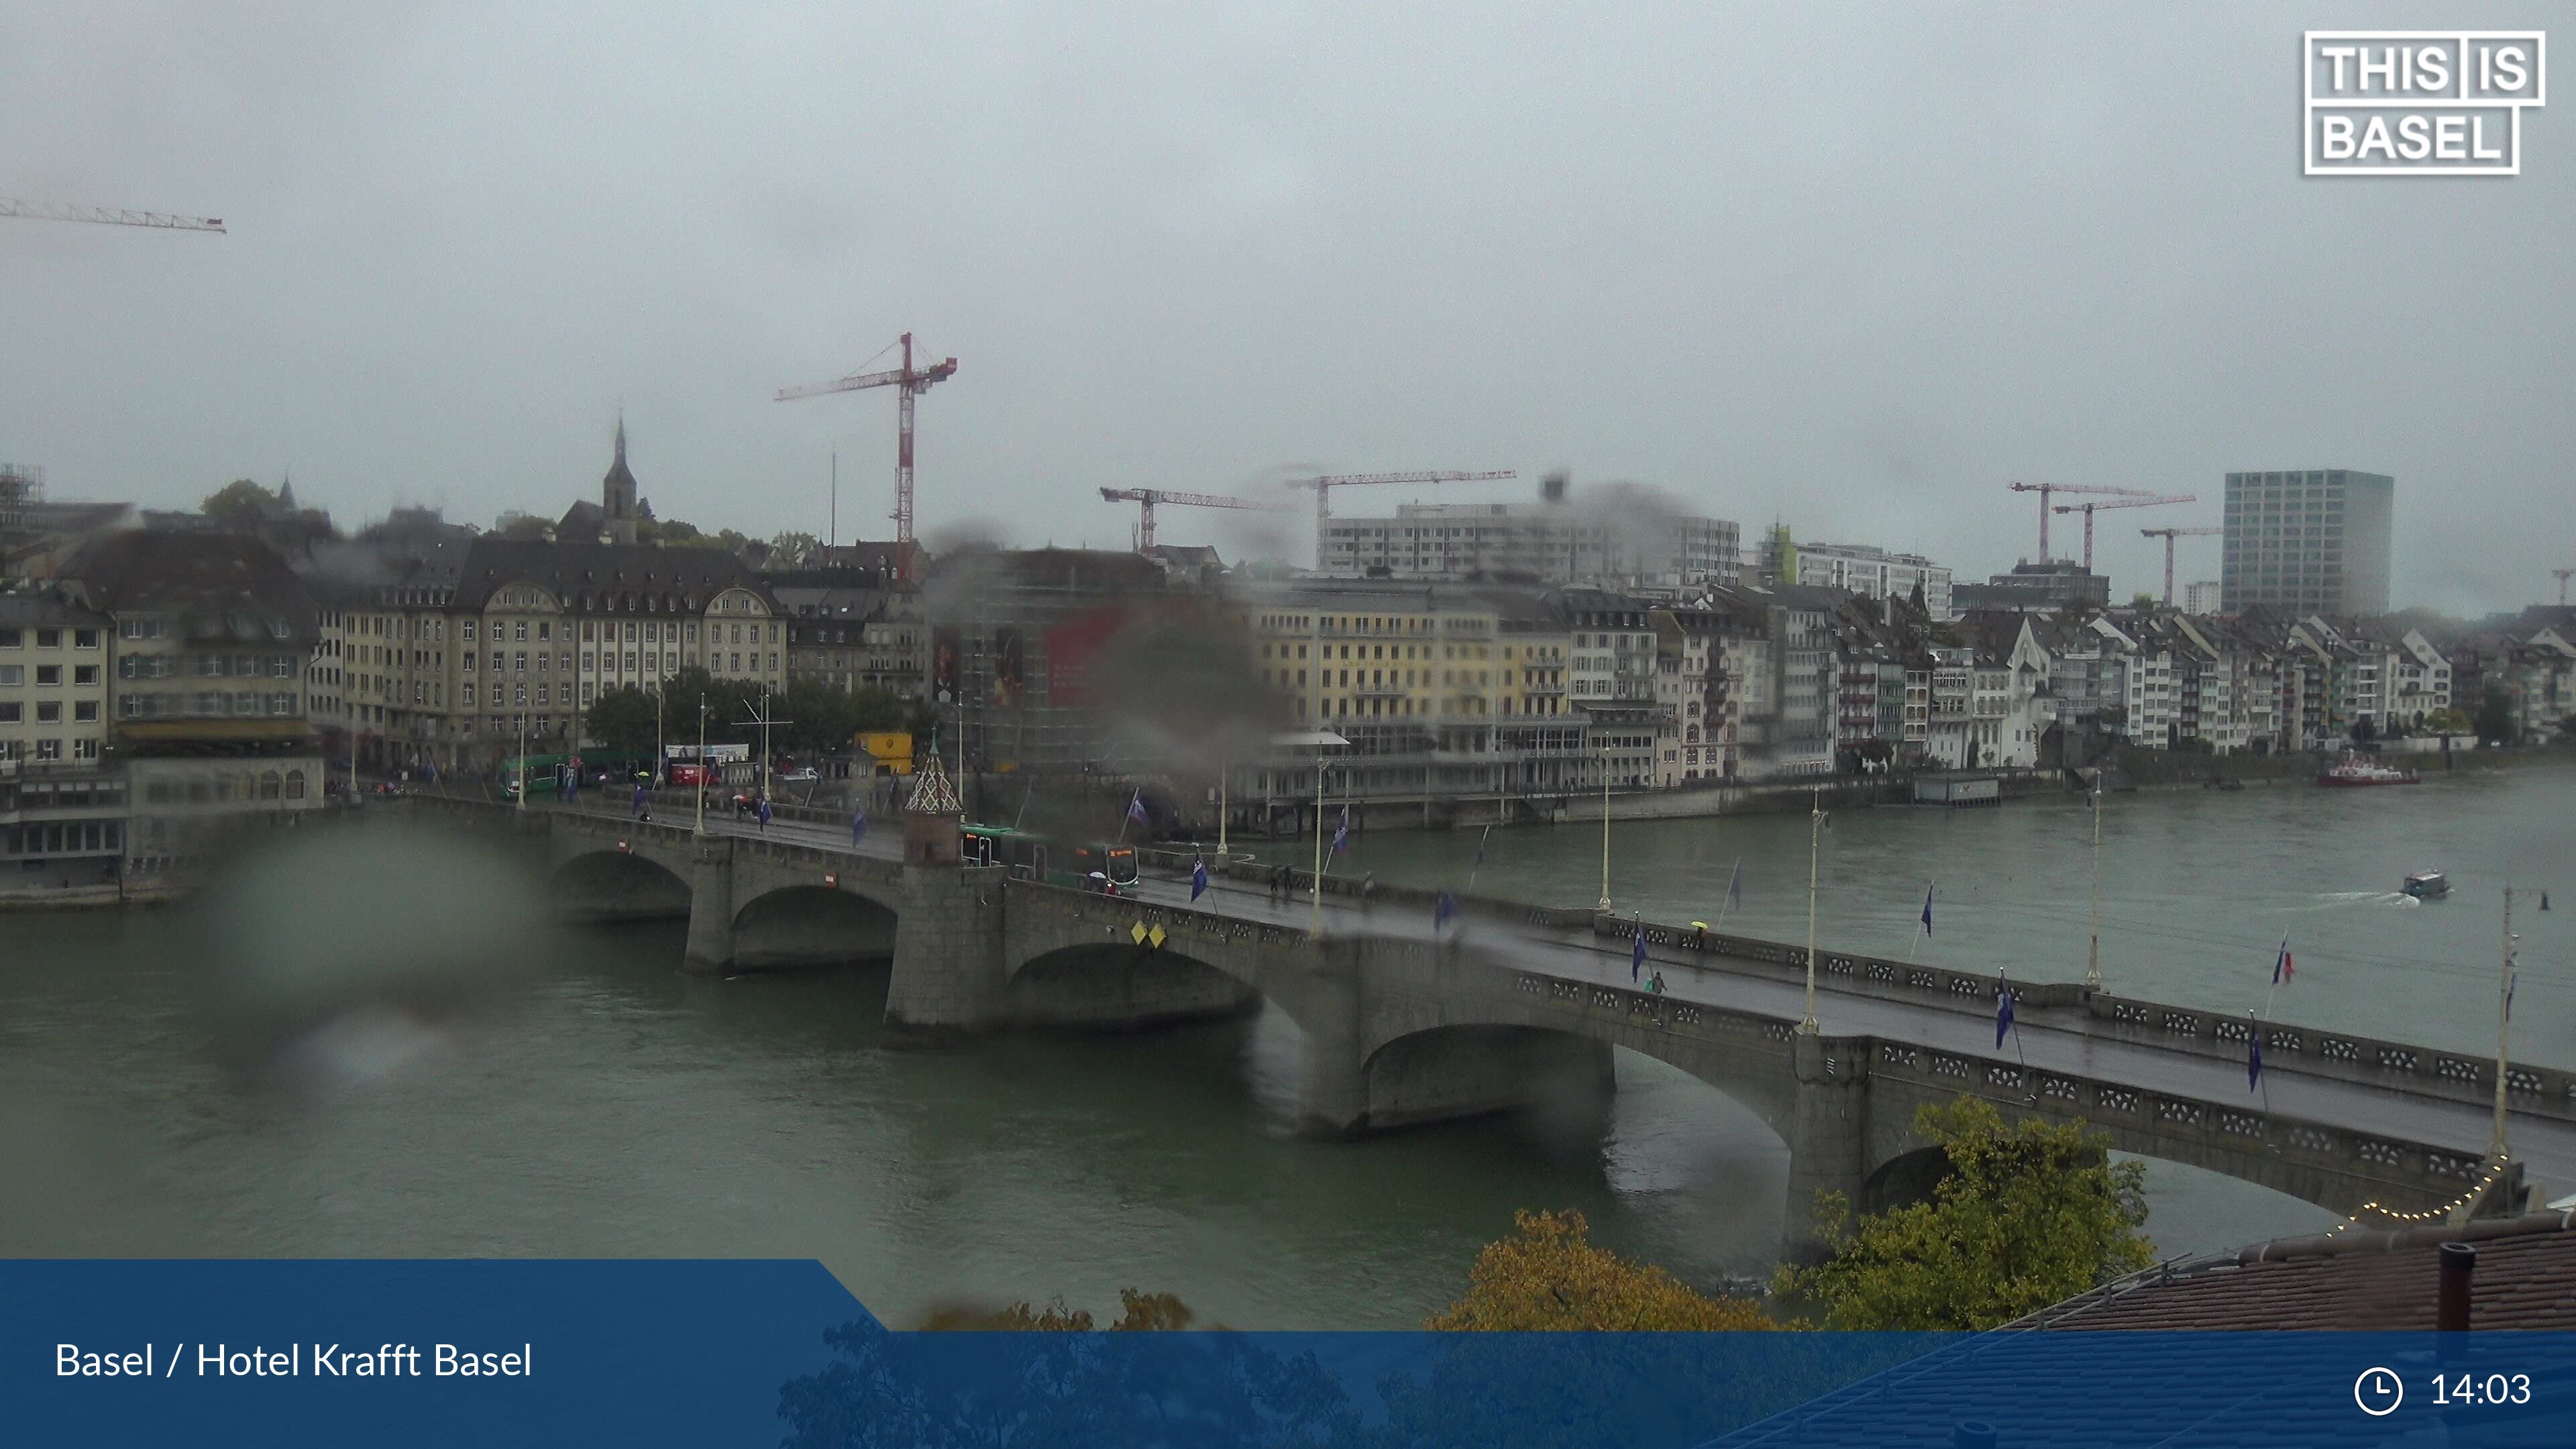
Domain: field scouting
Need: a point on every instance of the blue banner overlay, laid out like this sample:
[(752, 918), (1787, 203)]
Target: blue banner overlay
[(645, 1354)]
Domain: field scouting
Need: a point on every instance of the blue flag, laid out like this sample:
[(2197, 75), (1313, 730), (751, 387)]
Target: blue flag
[(1136, 807), (1637, 956), (1927, 910), (1342, 832), (1198, 875), (2254, 1057), (1443, 910), (2003, 1010), (858, 826)]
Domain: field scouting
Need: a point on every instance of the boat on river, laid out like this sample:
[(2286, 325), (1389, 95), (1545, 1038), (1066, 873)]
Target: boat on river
[(2355, 769), (2427, 884)]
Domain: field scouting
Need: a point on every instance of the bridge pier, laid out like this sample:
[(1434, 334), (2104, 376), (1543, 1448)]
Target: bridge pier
[(949, 968), (1828, 1134), (710, 946)]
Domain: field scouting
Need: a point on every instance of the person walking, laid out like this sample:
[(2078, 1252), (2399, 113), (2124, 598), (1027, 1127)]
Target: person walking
[(858, 827), (763, 813), (638, 810), (1368, 891)]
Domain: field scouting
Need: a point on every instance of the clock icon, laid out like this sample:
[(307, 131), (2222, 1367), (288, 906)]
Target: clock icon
[(2378, 1391)]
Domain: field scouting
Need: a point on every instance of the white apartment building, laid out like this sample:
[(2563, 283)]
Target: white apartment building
[(2312, 541), (1875, 572), (2201, 598), (1554, 544)]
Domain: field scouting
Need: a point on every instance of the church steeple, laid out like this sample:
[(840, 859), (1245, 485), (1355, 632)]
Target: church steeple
[(617, 494)]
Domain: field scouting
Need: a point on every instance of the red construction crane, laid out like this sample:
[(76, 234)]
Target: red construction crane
[(2169, 535), (108, 215), (2562, 576), (1151, 496), (909, 382), (2045, 489), (2150, 500), (1324, 490)]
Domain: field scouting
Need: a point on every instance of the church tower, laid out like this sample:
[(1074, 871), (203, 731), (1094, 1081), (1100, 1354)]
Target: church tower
[(617, 495)]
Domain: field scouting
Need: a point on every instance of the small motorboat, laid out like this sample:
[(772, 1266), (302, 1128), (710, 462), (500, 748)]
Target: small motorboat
[(2427, 885)]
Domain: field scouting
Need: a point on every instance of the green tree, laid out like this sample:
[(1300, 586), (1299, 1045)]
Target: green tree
[(2495, 716), (622, 718), (1138, 1312), (792, 548), (2447, 722), (2029, 1214), (1549, 1278), (238, 504)]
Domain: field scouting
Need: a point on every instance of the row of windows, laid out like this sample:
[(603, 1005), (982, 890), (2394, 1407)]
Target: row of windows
[(63, 837), (48, 711), (245, 705), (49, 748), (227, 787), (48, 676), (49, 638)]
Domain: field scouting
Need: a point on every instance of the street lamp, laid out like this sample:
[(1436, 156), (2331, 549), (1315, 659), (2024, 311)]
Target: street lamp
[(1605, 829), (2504, 1026), (1815, 843), (2093, 957), (701, 829)]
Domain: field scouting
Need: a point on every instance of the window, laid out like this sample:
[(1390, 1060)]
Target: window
[(49, 712), (246, 704), (49, 638), (468, 696), (272, 785), (84, 674), (129, 628), (282, 667), (84, 638), (49, 674), (545, 631), (13, 674), (49, 749), (523, 631), (12, 712), (469, 631), (520, 661), (589, 662), (295, 784), (86, 748), (85, 711)]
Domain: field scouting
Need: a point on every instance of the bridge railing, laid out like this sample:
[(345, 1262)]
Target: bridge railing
[(2343, 1056), (1393, 898)]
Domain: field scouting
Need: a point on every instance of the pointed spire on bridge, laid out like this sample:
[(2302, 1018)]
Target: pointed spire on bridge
[(931, 792)]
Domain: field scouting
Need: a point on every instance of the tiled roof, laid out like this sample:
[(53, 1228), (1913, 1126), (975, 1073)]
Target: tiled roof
[(604, 572), (2356, 1279)]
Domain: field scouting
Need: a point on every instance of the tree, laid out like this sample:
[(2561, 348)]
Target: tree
[(794, 548), (2029, 1214), (1138, 1312), (2447, 722), (239, 504), (2495, 716), (622, 719), (1551, 1278)]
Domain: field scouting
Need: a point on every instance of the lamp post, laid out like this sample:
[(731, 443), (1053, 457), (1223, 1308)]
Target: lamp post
[(523, 763), (1315, 916), (701, 828), (2093, 956), (2504, 1026), (1815, 843), (1605, 830)]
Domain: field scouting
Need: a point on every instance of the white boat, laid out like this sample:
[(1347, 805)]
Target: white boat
[(2354, 769), (2427, 883)]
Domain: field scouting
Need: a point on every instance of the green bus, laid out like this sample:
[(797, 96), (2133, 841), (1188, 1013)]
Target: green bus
[(1032, 856), (546, 772)]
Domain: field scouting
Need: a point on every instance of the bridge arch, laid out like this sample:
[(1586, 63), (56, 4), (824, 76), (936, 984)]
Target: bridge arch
[(1120, 984), (616, 885), (811, 925)]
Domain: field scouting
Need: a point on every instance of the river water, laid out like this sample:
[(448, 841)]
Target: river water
[(373, 1042)]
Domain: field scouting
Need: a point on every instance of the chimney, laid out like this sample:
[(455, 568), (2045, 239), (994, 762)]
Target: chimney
[(2459, 1265)]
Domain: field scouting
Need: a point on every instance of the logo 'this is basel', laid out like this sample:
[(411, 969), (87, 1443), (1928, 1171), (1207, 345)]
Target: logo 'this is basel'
[(2420, 102)]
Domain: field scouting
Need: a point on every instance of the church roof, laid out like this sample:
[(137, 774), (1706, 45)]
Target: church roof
[(931, 792)]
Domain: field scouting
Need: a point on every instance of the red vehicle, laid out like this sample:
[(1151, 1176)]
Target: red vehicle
[(689, 775)]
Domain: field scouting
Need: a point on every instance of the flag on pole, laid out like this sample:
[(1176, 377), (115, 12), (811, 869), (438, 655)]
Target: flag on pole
[(1342, 832), (1136, 807), (1927, 909), (1198, 874), (2282, 969), (1735, 886), (1480, 844), (2003, 1010), (1637, 956), (2254, 1057), (1443, 910)]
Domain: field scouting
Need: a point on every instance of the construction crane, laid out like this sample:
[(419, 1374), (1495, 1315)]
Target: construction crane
[(1151, 496), (2169, 535), (2150, 500), (2562, 575), (909, 382), (1324, 490), (107, 215), (2045, 489)]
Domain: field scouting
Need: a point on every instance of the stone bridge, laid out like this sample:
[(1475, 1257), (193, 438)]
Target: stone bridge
[(1401, 1028)]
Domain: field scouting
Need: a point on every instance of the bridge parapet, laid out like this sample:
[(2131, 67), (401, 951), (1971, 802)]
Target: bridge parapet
[(2341, 1056)]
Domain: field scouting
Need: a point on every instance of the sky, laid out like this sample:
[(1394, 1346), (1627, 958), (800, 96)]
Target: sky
[(1852, 268)]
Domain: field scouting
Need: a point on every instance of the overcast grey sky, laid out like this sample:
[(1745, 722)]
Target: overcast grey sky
[(1854, 267)]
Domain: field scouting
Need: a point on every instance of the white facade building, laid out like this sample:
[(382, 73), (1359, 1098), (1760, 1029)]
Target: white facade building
[(1876, 573)]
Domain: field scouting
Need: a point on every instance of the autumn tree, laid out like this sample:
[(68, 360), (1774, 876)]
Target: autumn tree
[(1138, 1312), (1550, 1278), (2029, 1214)]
